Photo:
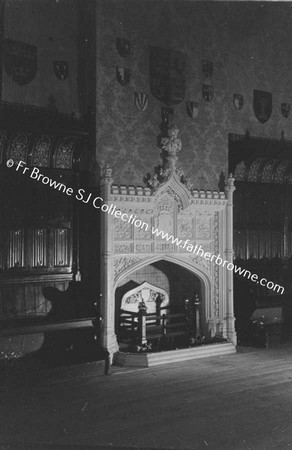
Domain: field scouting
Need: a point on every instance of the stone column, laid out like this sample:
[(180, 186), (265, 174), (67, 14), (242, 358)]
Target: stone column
[(107, 307), (230, 319)]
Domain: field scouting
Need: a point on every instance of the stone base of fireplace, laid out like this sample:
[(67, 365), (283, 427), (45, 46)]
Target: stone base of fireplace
[(155, 359)]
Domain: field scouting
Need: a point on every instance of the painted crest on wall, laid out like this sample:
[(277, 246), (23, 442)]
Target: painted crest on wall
[(20, 61), (262, 105), (61, 69), (285, 109), (192, 109), (167, 75), (123, 47), (141, 101), (123, 75), (207, 68), (238, 101), (208, 92)]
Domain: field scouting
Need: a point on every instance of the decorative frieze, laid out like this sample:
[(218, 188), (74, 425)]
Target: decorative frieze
[(216, 280), (123, 247), (144, 248)]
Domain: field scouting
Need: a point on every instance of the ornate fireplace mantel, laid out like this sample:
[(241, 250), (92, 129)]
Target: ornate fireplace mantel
[(198, 219)]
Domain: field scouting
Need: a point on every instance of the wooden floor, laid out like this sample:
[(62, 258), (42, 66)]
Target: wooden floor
[(240, 401)]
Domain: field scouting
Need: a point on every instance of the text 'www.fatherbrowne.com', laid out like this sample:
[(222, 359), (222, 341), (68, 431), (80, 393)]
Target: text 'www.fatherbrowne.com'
[(199, 251), (98, 203)]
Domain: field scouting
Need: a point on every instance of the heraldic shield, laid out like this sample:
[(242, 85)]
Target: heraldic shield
[(207, 68), (285, 109), (207, 92), (192, 109), (123, 47), (167, 75), (262, 105), (61, 69), (141, 101), (238, 101), (20, 61), (123, 75)]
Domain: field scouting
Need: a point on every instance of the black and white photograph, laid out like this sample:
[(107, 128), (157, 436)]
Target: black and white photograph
[(145, 224)]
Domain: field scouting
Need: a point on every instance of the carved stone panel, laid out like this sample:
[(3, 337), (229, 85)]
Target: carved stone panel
[(122, 230), (121, 263), (143, 233), (165, 247), (145, 247), (185, 229), (41, 151), (165, 214), (203, 227), (146, 293), (198, 259), (18, 147), (123, 247)]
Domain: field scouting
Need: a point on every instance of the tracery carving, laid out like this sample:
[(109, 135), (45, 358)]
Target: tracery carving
[(185, 226), (253, 173), (144, 248), (123, 262), (122, 247), (203, 227), (165, 215), (122, 229), (267, 172), (280, 171), (202, 262), (41, 151), (18, 147), (240, 171), (64, 153)]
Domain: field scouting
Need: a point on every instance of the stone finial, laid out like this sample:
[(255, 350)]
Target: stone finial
[(106, 177), (229, 187), (171, 145)]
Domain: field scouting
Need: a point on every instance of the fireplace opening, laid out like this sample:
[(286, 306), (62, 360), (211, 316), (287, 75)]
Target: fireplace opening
[(160, 306)]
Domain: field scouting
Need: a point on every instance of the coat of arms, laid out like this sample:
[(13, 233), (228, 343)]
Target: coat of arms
[(208, 92), (20, 61), (61, 69), (123, 75), (192, 109), (262, 105), (207, 68), (167, 75), (141, 101), (285, 109), (123, 47), (238, 101)]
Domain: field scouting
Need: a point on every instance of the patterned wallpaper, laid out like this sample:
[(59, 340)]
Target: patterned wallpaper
[(51, 26), (250, 45)]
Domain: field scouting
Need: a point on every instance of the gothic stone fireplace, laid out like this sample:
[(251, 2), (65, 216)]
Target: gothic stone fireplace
[(196, 217)]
